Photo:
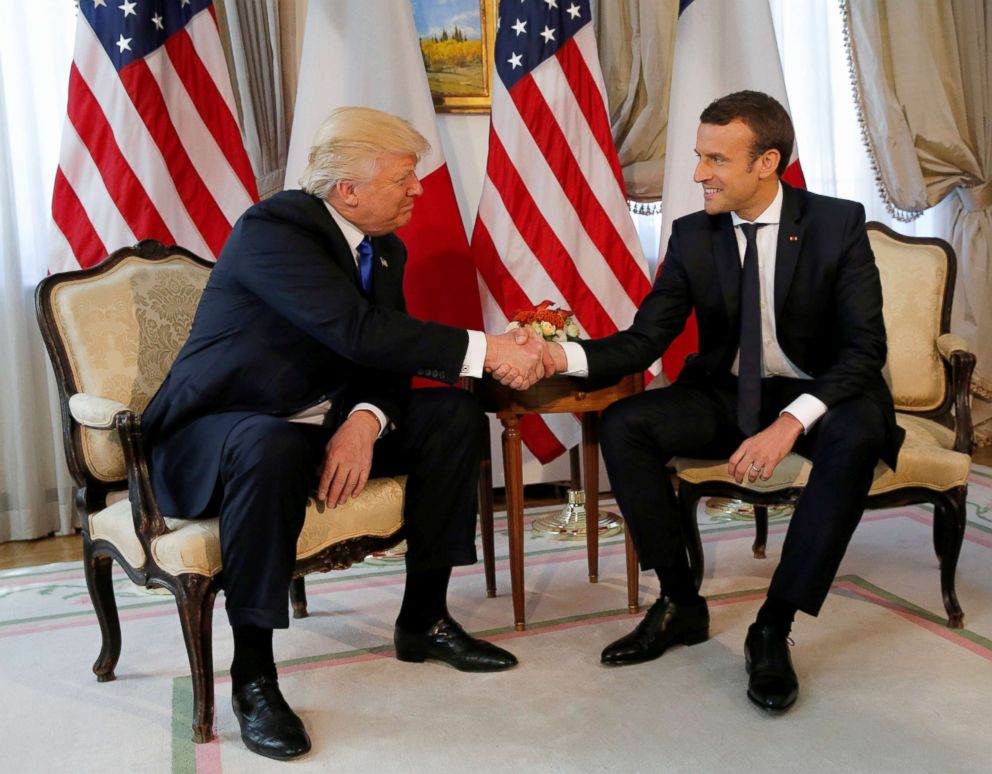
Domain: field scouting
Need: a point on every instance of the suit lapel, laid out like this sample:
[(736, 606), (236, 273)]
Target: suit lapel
[(727, 257), (790, 239), (384, 273)]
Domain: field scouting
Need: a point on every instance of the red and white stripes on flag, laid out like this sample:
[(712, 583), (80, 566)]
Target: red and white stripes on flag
[(366, 52), (151, 147), (553, 221), (721, 46)]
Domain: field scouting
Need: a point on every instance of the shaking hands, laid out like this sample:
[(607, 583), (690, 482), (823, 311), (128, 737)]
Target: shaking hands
[(521, 358)]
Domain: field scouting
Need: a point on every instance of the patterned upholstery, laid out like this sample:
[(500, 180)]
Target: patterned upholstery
[(122, 330), (914, 283)]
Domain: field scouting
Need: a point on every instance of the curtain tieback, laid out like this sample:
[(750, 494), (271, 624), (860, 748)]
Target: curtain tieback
[(977, 197)]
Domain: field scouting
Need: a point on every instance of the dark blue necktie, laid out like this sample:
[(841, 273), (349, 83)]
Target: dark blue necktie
[(749, 365), (365, 263)]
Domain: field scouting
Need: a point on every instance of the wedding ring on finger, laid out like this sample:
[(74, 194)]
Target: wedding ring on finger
[(756, 469)]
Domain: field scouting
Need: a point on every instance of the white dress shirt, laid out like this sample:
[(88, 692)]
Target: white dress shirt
[(806, 408)]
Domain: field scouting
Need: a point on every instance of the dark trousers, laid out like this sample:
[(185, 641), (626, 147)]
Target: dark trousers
[(270, 467), (641, 433)]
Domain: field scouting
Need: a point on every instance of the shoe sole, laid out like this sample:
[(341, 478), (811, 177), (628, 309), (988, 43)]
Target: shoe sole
[(265, 752), (420, 658), (688, 639)]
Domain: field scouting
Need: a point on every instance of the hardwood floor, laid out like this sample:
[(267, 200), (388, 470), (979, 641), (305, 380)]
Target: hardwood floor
[(25, 553)]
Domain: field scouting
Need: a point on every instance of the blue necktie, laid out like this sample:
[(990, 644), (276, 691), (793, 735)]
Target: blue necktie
[(749, 365), (365, 263)]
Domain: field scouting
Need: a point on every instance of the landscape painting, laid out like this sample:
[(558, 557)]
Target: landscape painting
[(456, 39)]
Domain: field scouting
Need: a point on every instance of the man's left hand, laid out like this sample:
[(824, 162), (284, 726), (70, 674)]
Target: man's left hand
[(759, 455), (348, 459)]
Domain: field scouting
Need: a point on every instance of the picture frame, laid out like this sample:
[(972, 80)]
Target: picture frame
[(457, 38)]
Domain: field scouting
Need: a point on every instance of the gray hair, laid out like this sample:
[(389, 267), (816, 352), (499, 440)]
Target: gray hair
[(349, 143)]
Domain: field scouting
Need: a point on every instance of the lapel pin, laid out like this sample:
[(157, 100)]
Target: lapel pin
[(383, 262), (793, 239)]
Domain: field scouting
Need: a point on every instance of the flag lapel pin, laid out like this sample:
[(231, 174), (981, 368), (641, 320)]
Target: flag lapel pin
[(383, 262)]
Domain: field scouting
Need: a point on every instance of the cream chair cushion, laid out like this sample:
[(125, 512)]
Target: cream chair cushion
[(927, 459), (122, 332), (194, 544)]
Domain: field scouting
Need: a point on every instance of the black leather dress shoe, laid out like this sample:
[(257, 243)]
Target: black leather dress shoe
[(268, 726), (773, 684), (446, 641), (665, 624)]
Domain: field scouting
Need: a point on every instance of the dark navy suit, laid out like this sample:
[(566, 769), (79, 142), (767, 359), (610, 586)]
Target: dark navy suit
[(282, 325), (828, 311)]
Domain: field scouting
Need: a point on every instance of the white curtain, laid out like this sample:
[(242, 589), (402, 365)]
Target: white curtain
[(36, 41)]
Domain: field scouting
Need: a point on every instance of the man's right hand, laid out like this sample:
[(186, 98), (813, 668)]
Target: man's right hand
[(555, 361), (516, 358)]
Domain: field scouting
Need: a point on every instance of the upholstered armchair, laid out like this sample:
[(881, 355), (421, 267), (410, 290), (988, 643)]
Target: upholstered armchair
[(112, 333), (929, 372)]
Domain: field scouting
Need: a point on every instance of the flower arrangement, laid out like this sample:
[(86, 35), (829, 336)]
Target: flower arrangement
[(552, 324)]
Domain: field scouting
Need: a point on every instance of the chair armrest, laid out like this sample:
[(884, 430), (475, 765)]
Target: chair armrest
[(95, 412), (954, 350), (948, 343), (148, 520)]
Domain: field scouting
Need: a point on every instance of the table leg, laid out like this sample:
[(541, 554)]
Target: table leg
[(486, 513), (633, 578), (590, 462), (513, 477)]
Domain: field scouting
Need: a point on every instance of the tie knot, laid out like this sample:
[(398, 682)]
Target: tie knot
[(750, 230), (365, 247)]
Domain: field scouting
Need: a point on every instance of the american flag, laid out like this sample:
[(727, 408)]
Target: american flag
[(553, 221), (151, 146)]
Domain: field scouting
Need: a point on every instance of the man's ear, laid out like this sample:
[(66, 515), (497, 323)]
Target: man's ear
[(768, 163), (345, 190)]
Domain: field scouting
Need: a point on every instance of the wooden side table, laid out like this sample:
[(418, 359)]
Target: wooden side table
[(555, 395)]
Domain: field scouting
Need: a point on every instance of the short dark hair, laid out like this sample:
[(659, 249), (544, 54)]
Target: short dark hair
[(763, 115)]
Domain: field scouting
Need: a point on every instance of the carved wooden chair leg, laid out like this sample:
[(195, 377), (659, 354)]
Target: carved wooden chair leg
[(760, 531), (950, 513), (298, 596), (688, 500), (195, 600), (97, 570)]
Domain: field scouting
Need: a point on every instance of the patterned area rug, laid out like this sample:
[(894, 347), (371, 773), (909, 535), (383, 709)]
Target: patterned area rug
[(884, 685)]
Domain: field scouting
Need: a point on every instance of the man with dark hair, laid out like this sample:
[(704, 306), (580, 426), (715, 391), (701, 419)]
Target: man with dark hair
[(791, 348)]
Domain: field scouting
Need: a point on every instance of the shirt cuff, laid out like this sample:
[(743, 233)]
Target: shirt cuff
[(575, 358), (475, 355), (807, 409), (383, 422)]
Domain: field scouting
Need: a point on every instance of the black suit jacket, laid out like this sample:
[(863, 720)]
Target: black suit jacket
[(828, 304), (282, 325)]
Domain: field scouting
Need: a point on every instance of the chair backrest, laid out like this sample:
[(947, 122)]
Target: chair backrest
[(917, 277), (113, 331)]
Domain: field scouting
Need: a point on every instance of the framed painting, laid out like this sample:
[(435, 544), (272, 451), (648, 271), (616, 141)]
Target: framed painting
[(456, 40)]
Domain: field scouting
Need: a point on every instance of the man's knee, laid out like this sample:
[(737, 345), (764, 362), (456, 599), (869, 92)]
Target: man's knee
[(267, 443), (620, 423), (856, 425), (451, 412)]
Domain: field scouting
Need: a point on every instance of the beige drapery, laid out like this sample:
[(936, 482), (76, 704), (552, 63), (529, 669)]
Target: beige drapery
[(922, 72), (262, 41), (636, 40)]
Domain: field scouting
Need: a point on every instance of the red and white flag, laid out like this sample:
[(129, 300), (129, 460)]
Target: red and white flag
[(151, 147), (721, 46), (366, 52), (553, 222)]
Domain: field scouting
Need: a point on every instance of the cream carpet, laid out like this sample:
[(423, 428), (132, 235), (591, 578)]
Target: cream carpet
[(885, 687)]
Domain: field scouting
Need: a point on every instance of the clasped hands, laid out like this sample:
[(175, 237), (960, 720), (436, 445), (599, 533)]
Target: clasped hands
[(521, 358)]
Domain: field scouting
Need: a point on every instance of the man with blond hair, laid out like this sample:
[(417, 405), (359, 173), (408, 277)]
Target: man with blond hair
[(296, 376)]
